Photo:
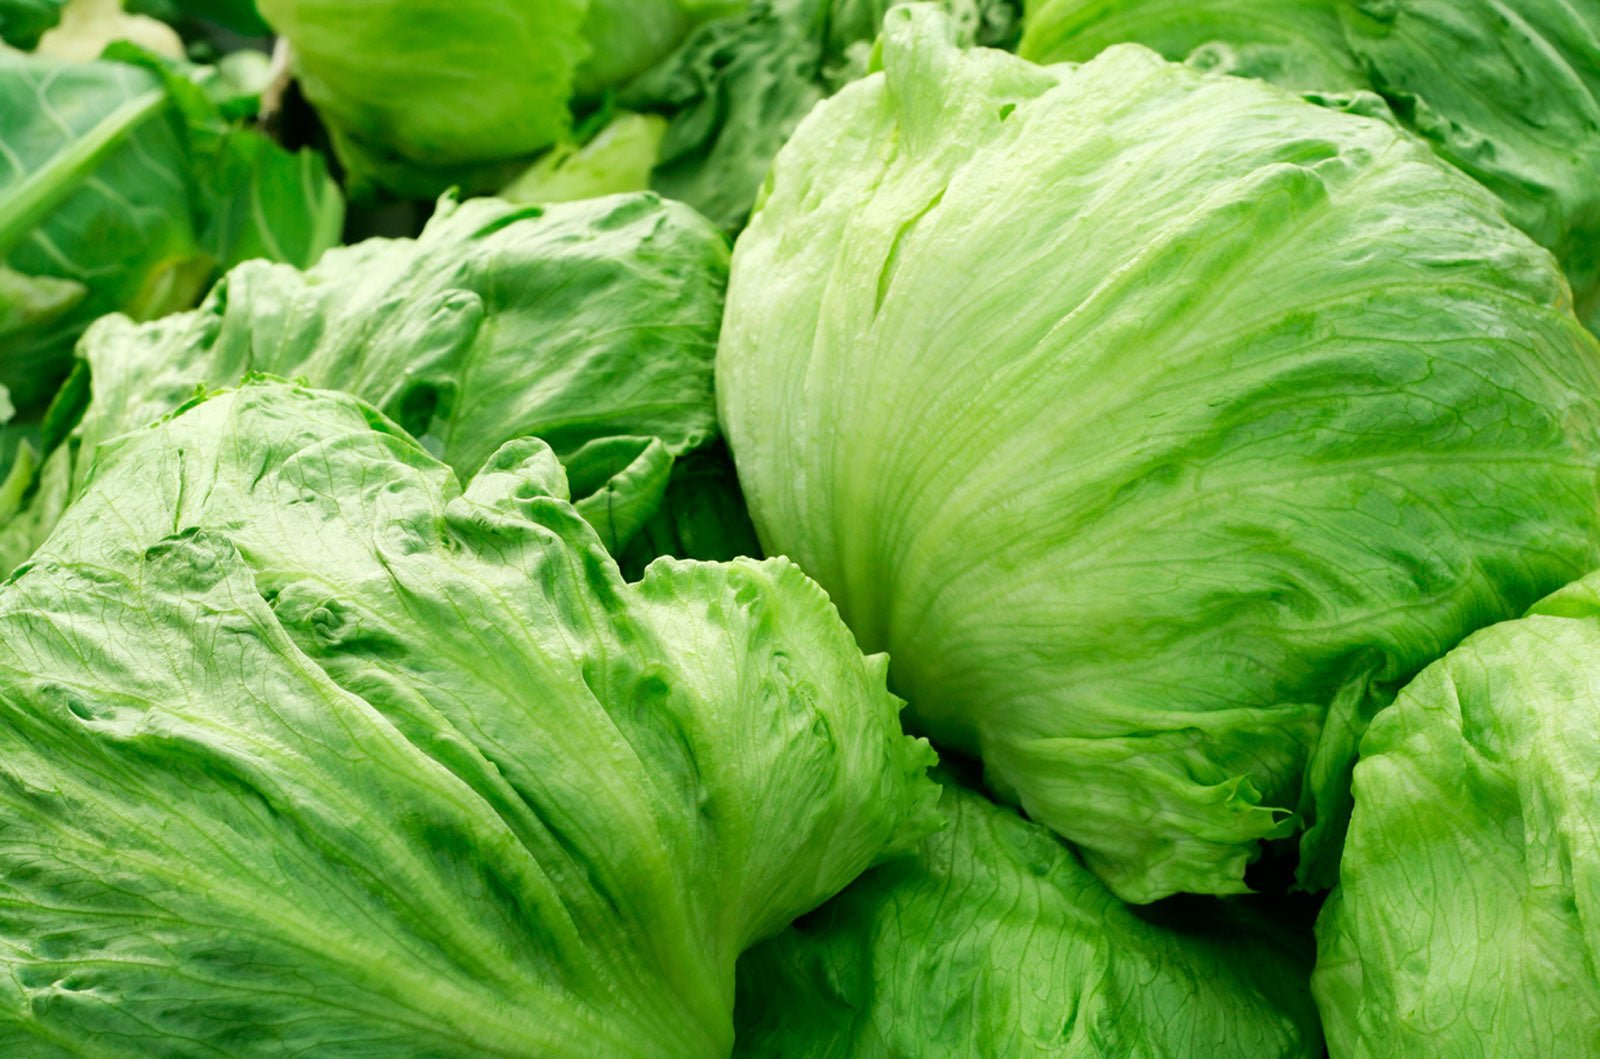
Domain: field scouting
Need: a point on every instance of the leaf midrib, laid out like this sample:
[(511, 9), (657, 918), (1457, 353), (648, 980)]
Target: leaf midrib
[(27, 204)]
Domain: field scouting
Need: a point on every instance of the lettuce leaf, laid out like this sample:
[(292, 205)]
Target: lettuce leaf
[(1467, 917), (302, 741), (994, 942), (125, 188)]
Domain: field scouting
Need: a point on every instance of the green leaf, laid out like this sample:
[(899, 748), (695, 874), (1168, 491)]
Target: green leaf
[(301, 739), (1464, 922), (420, 93), (702, 515), (581, 323), (994, 942), (1145, 417), (110, 190)]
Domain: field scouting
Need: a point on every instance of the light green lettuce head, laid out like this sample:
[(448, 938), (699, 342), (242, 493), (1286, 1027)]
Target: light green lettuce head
[(1508, 90), (303, 741), (1467, 918), (591, 325), (423, 94), (1160, 426), (994, 942)]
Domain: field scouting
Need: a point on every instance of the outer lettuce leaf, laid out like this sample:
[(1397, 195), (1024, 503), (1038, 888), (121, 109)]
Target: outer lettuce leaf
[(1295, 43), (308, 749), (1467, 919), (434, 85), (1147, 419), (627, 37), (125, 189), (994, 942), (1509, 90), (592, 326)]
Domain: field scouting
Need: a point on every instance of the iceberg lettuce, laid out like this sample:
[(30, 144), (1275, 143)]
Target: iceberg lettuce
[(304, 742), (591, 325), (1509, 90), (1159, 425)]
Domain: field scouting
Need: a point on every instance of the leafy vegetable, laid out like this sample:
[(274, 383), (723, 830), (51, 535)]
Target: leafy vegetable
[(592, 326), (126, 189), (617, 159), (1464, 922), (304, 742), (1509, 90), (423, 95), (738, 87), (995, 942), (1159, 425)]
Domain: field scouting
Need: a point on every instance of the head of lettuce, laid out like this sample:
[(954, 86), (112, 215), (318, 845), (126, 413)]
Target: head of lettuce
[(1160, 425), (308, 748)]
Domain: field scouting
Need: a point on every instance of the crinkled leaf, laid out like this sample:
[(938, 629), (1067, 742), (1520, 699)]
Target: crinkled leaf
[(304, 743), (1509, 90), (739, 86)]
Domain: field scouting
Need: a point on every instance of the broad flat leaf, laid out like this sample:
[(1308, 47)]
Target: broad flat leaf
[(1159, 425), (107, 185), (304, 747)]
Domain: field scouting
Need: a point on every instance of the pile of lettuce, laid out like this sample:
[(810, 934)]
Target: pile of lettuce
[(818, 529)]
